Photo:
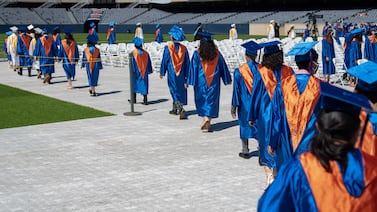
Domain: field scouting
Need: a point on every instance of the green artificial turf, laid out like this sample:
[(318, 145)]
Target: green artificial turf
[(22, 108)]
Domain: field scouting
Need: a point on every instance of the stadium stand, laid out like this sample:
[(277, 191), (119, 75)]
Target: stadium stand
[(208, 18), (242, 17), (122, 15), (18, 15), (54, 15), (152, 16)]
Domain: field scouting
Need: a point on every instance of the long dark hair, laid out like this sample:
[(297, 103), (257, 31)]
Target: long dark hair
[(207, 50), (337, 135), (273, 61)]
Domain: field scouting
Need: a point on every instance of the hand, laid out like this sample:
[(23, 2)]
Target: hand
[(161, 76), (234, 116), (270, 150), (251, 123), (186, 86)]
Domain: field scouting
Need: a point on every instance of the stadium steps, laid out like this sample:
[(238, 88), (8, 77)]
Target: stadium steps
[(72, 17), (37, 14), (192, 17)]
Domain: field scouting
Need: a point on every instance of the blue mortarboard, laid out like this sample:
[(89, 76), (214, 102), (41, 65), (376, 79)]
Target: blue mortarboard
[(137, 41), (366, 74), (271, 47), (177, 33), (22, 28), (46, 30), (157, 26), (302, 51), (8, 33), (206, 36), (92, 38), (92, 24), (68, 31), (355, 32), (251, 48), (111, 23), (56, 28), (338, 99), (373, 28)]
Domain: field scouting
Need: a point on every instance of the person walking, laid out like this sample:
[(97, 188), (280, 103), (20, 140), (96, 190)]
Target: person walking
[(69, 54), (176, 63)]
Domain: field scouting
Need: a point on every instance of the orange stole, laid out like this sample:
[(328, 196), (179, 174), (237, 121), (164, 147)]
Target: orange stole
[(25, 40), (141, 61), (177, 58), (108, 33), (330, 194), (92, 58), (370, 139), (209, 68), (69, 49), (247, 76), (298, 107), (269, 79), (47, 44)]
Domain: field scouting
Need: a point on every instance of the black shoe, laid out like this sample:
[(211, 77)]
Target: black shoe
[(244, 155), (94, 94), (173, 112), (90, 92), (182, 114)]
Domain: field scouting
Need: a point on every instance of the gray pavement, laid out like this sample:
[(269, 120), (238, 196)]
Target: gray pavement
[(151, 162)]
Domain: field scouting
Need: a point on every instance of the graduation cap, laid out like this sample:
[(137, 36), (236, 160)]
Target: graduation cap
[(303, 51), (366, 74), (13, 29), (356, 32), (271, 47), (8, 33), (46, 30), (57, 28), (177, 33), (30, 27), (157, 26), (111, 23), (38, 30), (138, 24), (373, 28), (206, 36), (251, 48), (92, 24), (337, 99), (137, 41)]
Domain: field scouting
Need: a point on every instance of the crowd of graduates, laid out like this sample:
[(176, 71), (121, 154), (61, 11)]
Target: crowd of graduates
[(317, 142)]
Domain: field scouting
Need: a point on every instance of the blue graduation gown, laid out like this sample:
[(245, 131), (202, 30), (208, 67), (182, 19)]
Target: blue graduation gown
[(9, 57), (46, 59), (176, 82), (57, 41), (303, 185), (92, 68), (354, 53), (300, 93), (207, 97), (158, 36), (69, 63), (140, 77), (266, 106), (23, 44), (241, 97), (328, 51), (111, 36)]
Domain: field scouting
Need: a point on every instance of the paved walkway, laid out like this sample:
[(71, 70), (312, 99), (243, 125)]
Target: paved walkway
[(152, 162)]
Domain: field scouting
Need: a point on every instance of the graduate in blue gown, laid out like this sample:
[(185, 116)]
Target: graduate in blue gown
[(300, 92), (267, 103), (306, 32), (111, 34), (91, 60), (176, 64), (23, 44), (207, 68), (158, 34), (243, 80), (57, 40), (92, 32), (328, 54), (69, 54), (45, 51), (355, 50), (370, 46), (141, 67), (334, 175)]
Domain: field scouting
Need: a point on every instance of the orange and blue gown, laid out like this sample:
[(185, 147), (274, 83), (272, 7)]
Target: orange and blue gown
[(91, 59), (23, 44), (110, 36), (176, 63), (244, 78), (142, 67), (369, 144), (69, 53), (300, 93), (265, 109), (205, 77), (158, 36), (303, 184), (370, 50), (46, 51)]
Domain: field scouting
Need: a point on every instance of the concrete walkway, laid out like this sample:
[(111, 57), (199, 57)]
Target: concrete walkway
[(151, 162)]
